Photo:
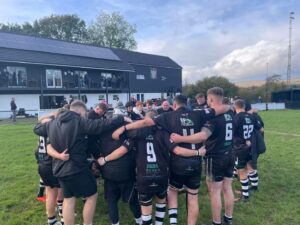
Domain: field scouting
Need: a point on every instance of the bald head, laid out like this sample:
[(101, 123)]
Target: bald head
[(165, 105)]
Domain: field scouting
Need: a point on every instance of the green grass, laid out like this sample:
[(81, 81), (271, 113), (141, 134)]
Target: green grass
[(276, 203)]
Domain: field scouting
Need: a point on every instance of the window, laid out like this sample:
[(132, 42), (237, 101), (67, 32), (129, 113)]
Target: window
[(53, 78), (83, 78), (140, 77), (17, 76), (106, 80), (153, 72)]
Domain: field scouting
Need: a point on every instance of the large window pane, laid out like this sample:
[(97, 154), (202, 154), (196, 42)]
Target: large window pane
[(17, 76), (54, 78)]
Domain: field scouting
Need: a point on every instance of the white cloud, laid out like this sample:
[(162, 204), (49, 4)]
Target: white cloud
[(247, 63)]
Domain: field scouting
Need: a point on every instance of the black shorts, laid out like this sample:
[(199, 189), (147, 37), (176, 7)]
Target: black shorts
[(242, 161), (81, 184), (45, 172), (113, 190), (179, 181), (220, 166), (145, 199)]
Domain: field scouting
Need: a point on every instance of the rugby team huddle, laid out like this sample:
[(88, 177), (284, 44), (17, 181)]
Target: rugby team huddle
[(150, 160)]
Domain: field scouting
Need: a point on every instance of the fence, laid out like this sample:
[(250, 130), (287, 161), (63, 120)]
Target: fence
[(268, 106)]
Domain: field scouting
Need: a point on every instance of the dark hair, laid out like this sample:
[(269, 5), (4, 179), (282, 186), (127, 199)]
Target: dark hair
[(102, 106), (128, 104), (180, 100), (216, 91), (239, 103), (200, 95), (149, 102)]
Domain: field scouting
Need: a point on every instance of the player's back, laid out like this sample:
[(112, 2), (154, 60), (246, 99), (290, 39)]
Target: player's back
[(152, 158), (184, 122), (221, 139), (120, 169), (244, 126)]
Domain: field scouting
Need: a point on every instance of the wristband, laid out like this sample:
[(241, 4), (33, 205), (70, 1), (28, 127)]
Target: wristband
[(105, 160), (125, 128), (198, 152)]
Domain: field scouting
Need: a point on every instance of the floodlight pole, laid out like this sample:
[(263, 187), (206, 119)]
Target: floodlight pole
[(289, 67), (266, 88)]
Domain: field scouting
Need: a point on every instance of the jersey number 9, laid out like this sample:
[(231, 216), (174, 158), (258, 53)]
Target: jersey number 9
[(151, 157)]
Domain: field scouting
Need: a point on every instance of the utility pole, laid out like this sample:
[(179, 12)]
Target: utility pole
[(266, 88), (289, 67)]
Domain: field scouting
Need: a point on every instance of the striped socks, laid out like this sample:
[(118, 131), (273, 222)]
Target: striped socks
[(52, 220), (147, 219), (253, 176), (160, 213), (173, 216), (245, 188)]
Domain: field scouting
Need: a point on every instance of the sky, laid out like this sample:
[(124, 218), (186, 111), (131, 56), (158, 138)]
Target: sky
[(243, 40)]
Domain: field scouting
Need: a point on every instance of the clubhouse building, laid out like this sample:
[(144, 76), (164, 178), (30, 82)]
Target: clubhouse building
[(44, 73)]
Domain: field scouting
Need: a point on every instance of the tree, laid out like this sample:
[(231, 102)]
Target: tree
[(61, 27), (230, 89), (112, 30), (11, 27)]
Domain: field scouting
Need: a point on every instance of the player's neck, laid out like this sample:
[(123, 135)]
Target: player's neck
[(239, 111)]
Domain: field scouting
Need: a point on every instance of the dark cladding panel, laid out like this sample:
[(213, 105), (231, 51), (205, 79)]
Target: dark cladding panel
[(24, 42)]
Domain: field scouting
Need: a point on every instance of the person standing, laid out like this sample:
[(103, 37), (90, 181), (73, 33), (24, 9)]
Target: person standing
[(165, 107), (115, 159), (217, 135), (201, 102), (67, 134), (13, 108), (131, 114), (152, 167)]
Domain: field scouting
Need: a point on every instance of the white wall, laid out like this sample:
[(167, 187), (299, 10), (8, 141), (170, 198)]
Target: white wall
[(32, 105), (28, 101), (148, 95)]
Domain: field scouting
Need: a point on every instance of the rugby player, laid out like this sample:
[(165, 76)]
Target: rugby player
[(252, 164), (118, 172), (152, 167), (53, 190), (67, 134), (185, 171), (219, 159), (244, 125)]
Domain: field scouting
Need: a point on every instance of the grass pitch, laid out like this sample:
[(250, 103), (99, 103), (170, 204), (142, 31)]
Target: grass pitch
[(276, 203)]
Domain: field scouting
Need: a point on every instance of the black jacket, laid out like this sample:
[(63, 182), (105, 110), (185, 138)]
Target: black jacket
[(13, 105), (93, 145), (69, 131), (132, 115), (258, 147)]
